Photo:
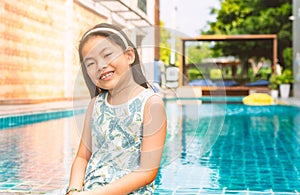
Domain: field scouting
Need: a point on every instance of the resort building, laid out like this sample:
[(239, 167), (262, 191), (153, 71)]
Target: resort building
[(39, 40), (296, 47)]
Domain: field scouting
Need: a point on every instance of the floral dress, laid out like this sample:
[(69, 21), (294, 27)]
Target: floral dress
[(116, 141)]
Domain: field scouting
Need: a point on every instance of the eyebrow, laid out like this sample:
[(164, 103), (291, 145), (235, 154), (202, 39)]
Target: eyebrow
[(91, 58), (87, 59)]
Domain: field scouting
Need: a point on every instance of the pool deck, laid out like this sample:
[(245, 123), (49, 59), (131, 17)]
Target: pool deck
[(292, 101), (6, 110)]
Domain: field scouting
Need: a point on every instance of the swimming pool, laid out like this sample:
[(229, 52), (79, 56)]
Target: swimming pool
[(35, 157), (257, 151), (210, 149)]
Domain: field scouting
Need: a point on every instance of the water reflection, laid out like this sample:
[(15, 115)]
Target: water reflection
[(38, 156), (192, 130)]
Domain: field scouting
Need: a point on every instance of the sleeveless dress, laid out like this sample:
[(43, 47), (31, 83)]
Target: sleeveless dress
[(116, 132)]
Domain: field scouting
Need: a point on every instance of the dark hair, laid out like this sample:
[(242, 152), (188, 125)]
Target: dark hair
[(116, 35)]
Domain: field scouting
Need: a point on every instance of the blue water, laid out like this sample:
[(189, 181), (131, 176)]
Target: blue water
[(210, 149), (257, 149)]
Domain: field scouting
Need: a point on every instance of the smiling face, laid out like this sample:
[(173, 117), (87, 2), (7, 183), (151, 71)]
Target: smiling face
[(105, 61)]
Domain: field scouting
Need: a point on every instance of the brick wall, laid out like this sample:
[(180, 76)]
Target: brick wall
[(38, 49)]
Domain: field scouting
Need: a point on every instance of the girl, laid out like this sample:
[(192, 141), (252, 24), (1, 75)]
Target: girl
[(125, 123)]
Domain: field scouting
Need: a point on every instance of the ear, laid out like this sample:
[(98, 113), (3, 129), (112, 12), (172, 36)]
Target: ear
[(130, 55)]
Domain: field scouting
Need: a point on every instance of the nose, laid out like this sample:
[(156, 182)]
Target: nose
[(101, 64)]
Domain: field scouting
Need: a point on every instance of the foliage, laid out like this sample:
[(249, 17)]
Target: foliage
[(194, 73), (215, 73), (196, 53), (263, 73), (273, 81), (164, 45), (254, 17), (288, 58), (286, 77)]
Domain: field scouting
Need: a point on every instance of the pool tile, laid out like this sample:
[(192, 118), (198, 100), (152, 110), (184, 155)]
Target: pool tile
[(187, 191)]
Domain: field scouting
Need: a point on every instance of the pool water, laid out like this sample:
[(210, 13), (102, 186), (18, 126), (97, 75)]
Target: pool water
[(37, 157), (210, 149), (257, 150)]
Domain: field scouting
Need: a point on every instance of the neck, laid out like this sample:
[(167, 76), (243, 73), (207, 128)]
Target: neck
[(124, 90)]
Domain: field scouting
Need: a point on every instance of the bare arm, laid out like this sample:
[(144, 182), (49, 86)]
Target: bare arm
[(84, 153), (154, 133)]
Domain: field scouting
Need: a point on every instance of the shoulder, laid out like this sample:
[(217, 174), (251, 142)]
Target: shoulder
[(154, 117), (154, 98), (92, 102), (91, 106), (155, 103), (150, 97), (99, 99)]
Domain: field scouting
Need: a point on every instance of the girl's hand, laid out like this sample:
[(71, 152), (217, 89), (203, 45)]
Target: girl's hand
[(80, 193), (76, 193)]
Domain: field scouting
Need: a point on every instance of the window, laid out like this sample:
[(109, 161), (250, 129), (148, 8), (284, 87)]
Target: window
[(142, 4)]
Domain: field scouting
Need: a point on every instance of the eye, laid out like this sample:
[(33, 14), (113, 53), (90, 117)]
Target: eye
[(107, 55), (89, 63)]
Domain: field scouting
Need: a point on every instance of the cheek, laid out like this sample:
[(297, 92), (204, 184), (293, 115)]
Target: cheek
[(121, 70), (91, 74), (124, 66)]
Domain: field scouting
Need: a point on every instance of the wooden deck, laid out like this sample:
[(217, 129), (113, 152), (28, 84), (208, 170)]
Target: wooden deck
[(233, 91), (198, 91)]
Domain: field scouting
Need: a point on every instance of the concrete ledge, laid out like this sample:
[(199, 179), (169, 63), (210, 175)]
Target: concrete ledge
[(189, 92), (42, 107)]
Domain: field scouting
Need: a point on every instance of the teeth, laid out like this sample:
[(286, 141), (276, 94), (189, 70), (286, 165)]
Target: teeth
[(107, 75)]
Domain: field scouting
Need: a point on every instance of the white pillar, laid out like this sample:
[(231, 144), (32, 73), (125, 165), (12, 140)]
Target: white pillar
[(296, 48), (68, 51), (173, 34)]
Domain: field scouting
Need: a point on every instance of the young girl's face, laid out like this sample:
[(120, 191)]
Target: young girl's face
[(105, 61)]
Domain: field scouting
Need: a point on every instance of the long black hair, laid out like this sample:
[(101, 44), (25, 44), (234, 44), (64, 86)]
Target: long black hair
[(116, 35)]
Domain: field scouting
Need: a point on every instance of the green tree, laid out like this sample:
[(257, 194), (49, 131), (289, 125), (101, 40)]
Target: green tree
[(196, 53), (164, 45), (254, 17)]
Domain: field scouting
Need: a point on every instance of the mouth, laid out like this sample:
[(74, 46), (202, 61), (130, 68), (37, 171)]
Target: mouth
[(106, 75)]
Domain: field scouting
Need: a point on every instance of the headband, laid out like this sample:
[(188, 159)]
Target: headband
[(107, 30)]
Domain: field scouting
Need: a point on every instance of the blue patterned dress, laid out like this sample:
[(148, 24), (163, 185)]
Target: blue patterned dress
[(116, 141)]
